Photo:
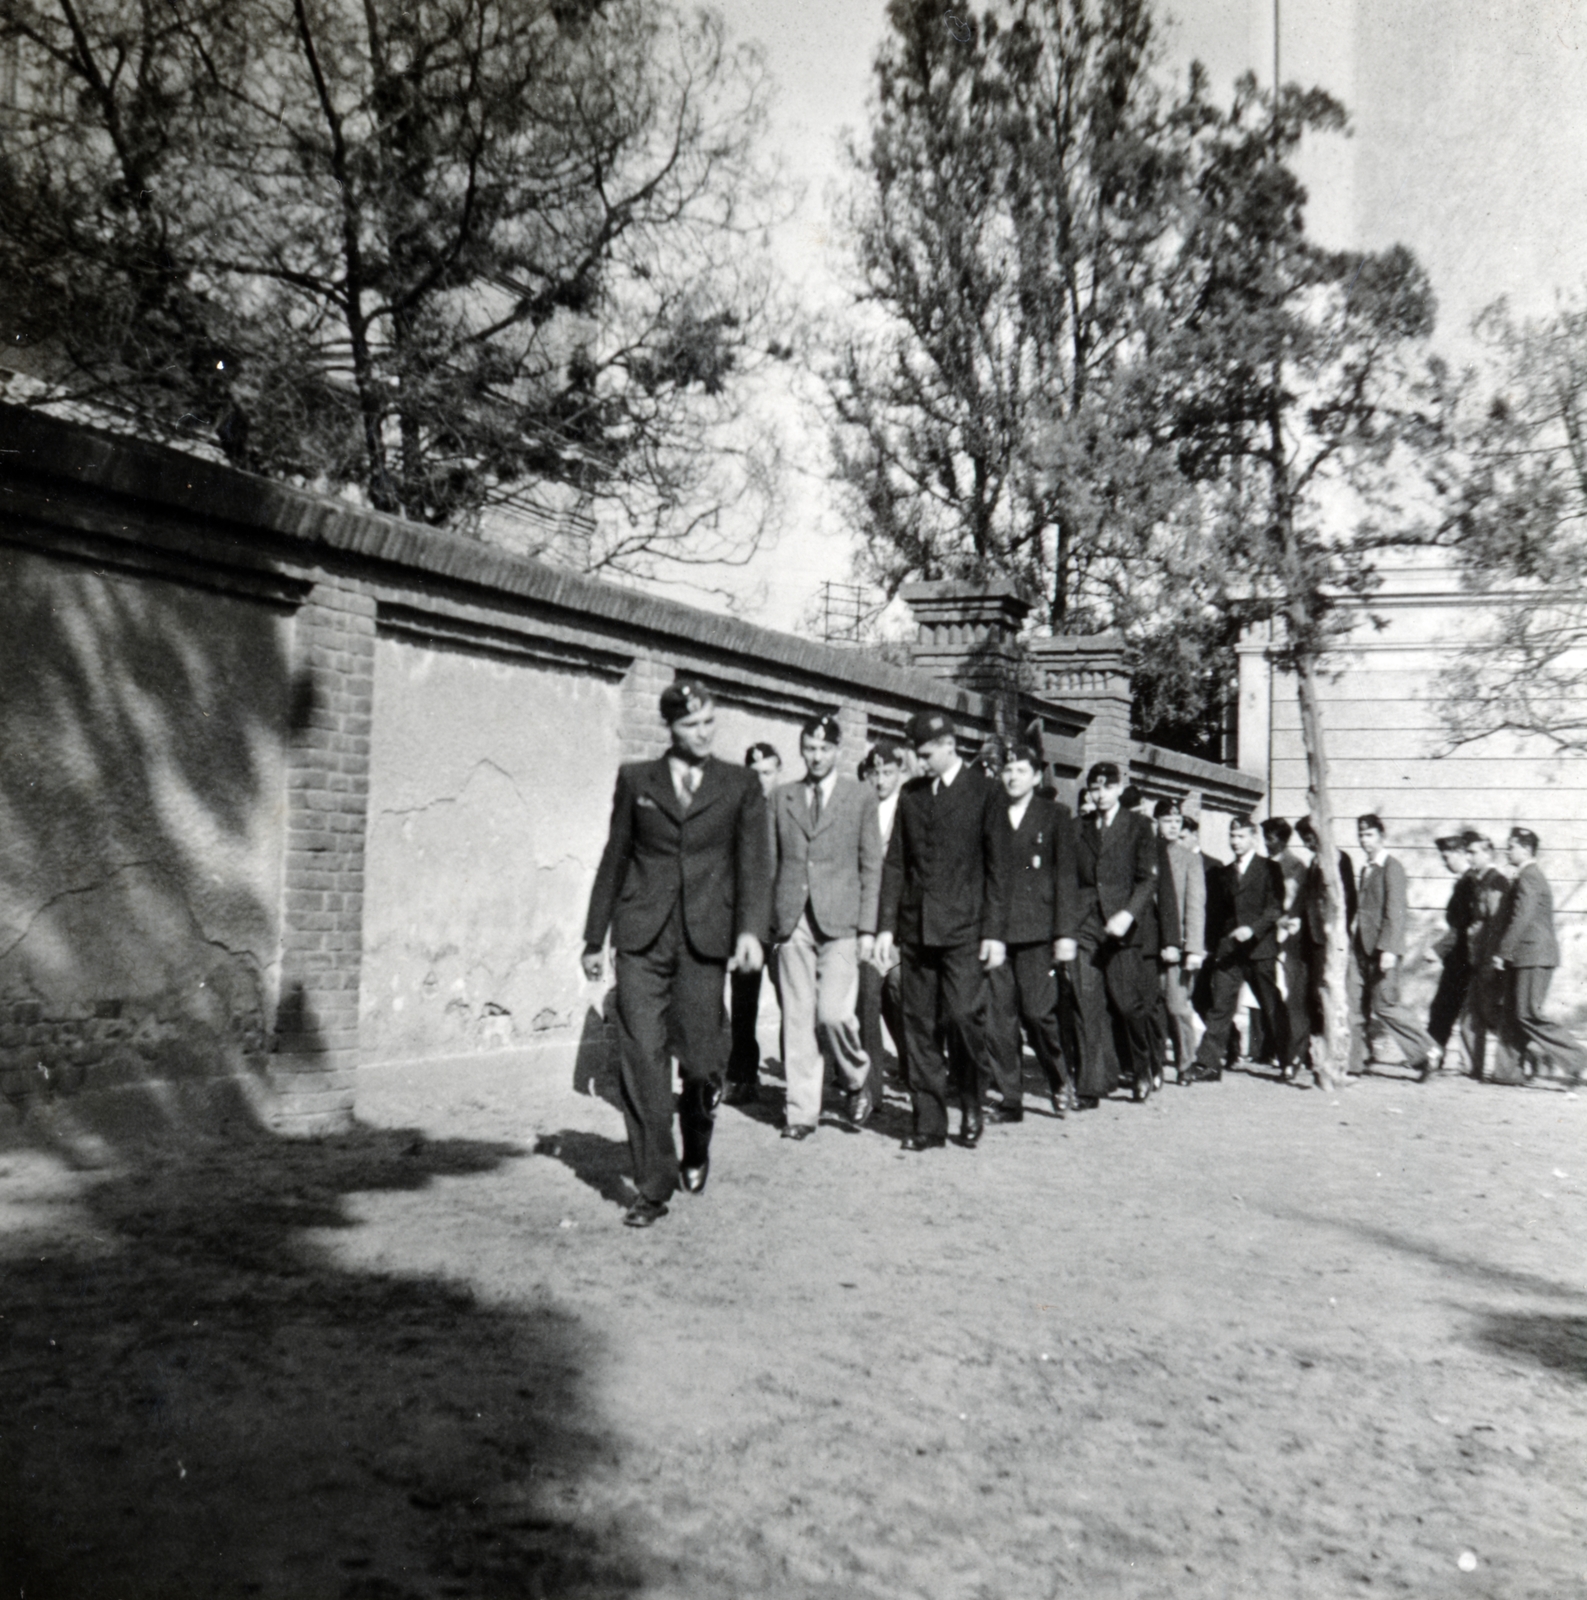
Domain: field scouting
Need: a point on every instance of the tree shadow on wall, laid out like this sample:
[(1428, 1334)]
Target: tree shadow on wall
[(143, 721), (203, 1403)]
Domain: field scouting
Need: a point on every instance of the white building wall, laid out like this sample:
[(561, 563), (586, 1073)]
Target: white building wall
[(1387, 754)]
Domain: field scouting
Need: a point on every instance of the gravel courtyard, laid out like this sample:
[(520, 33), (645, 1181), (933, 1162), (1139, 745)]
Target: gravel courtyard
[(1245, 1340)]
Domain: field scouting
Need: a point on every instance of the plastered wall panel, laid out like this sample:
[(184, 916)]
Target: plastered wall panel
[(490, 792)]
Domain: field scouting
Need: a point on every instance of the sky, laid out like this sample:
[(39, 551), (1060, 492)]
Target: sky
[(1469, 145)]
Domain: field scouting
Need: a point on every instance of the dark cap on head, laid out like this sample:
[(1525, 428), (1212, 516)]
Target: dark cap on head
[(761, 751), (1452, 841), (683, 698), (1475, 836), (1103, 771), (1020, 751), (1167, 808), (925, 726), (825, 725)]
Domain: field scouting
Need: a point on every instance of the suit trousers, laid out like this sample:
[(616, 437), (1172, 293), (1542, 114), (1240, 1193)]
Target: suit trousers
[(1228, 974), (666, 993), (1529, 1032), (743, 1062), (941, 987), (1489, 1053), (1184, 1025), (1297, 996), (879, 1003), (1112, 980), (1450, 998), (1024, 995), (818, 980), (1374, 997)]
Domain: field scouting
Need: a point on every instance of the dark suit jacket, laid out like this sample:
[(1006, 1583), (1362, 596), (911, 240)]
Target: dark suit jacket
[(1255, 901), (1117, 868), (1526, 921), (714, 856), (1313, 907), (1459, 914), (1380, 908), (835, 869), (1163, 921), (945, 880), (1482, 932), (1044, 899)]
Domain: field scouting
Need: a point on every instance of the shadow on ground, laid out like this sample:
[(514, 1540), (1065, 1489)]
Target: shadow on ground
[(199, 1402), (593, 1159), (1553, 1341)]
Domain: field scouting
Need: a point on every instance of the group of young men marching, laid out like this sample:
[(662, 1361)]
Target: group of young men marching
[(971, 911)]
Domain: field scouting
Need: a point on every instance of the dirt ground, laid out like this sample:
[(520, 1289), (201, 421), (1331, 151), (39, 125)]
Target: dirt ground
[(1244, 1340)]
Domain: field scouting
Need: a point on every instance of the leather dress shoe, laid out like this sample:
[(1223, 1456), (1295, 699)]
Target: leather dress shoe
[(797, 1131), (742, 1094), (924, 1141), (644, 1213), (693, 1178), (1064, 1101), (971, 1128), (1142, 1091), (1201, 1074), (1087, 1102), (861, 1106), (1006, 1113)]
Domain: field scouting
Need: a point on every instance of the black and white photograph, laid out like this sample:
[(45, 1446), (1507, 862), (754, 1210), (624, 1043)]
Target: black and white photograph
[(793, 800)]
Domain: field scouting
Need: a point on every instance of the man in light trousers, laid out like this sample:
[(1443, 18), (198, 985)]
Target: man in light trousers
[(828, 879)]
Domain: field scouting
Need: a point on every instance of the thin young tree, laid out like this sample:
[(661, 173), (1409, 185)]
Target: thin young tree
[(1309, 409)]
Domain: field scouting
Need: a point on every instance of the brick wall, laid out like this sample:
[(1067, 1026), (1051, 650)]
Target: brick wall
[(345, 779)]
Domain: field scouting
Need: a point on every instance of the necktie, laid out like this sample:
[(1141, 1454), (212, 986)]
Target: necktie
[(815, 806), (689, 783)]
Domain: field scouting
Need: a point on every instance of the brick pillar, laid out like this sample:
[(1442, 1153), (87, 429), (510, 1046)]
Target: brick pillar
[(969, 632), (1086, 671), (315, 1049), (856, 728)]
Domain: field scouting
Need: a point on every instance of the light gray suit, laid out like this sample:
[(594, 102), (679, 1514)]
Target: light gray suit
[(828, 879), (1189, 882)]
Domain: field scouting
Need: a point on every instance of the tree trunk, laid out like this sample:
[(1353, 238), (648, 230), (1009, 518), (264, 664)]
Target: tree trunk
[(1330, 1051)]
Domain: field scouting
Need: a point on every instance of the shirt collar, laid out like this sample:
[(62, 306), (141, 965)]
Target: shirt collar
[(945, 780)]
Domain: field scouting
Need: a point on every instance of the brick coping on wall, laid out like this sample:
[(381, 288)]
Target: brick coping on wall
[(157, 476)]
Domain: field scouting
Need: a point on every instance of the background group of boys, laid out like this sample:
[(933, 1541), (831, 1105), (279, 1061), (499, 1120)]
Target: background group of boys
[(967, 907)]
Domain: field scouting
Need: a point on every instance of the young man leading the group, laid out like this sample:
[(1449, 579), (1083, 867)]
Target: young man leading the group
[(684, 888)]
